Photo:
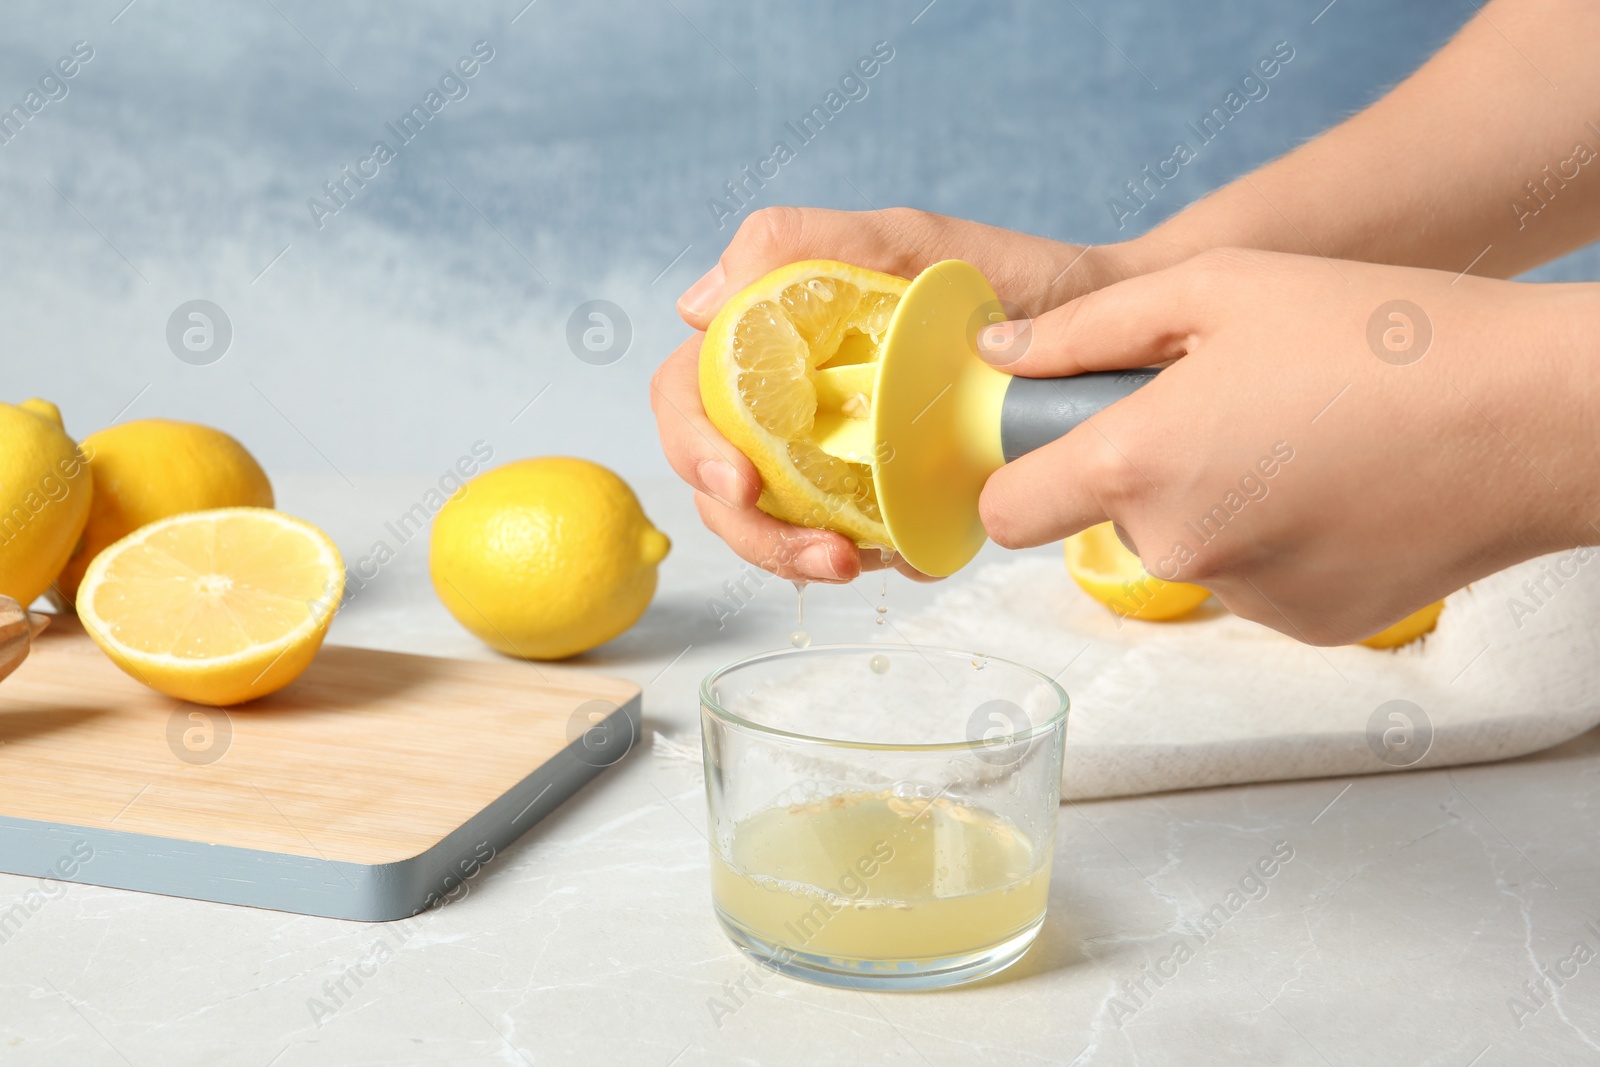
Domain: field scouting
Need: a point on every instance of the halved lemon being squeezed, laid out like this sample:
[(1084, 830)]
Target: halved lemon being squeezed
[(215, 607), (788, 366)]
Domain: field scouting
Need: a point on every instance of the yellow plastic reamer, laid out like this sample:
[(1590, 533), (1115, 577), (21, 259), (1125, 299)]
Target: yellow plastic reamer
[(941, 420)]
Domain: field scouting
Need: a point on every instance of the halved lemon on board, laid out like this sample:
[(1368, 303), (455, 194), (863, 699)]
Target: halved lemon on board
[(1111, 574), (1407, 629), (215, 607), (789, 362)]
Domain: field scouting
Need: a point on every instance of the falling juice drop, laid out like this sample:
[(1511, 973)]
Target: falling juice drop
[(879, 663), (800, 638)]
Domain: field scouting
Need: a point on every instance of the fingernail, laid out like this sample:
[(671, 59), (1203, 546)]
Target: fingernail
[(1005, 342), (699, 297), (816, 561), (720, 480), (1125, 537)]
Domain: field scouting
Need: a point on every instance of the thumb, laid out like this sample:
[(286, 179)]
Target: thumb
[(1067, 485), (1133, 323)]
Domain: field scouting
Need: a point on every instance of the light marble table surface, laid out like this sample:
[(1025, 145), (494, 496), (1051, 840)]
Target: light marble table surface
[(1448, 918)]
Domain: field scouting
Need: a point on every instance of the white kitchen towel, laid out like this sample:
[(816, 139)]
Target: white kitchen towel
[(1513, 667)]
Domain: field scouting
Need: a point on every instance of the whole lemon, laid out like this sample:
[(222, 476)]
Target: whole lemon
[(45, 493), (545, 558), (154, 469)]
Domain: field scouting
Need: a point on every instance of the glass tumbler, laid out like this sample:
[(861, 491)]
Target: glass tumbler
[(882, 817)]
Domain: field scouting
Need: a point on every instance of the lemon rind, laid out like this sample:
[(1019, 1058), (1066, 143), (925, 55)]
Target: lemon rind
[(1105, 587)]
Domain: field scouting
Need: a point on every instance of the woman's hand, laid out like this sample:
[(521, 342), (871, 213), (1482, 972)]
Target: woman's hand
[(1033, 273), (1322, 456)]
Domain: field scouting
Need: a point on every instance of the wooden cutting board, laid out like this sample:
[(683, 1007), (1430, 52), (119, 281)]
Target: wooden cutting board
[(373, 786)]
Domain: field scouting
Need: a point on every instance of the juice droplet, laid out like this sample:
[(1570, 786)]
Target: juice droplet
[(879, 664), (800, 602), (800, 639)]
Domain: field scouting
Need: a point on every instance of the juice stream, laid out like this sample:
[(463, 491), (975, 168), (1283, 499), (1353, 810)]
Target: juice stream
[(800, 638)]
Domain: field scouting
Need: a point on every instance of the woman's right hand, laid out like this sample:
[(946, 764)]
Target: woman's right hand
[(1031, 274)]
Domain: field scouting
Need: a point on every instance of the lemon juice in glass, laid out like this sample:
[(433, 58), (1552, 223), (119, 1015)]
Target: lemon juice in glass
[(882, 817)]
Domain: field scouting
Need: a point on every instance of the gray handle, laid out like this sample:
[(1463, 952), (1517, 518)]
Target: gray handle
[(1040, 410)]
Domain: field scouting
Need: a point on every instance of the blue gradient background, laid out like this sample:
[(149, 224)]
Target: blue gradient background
[(410, 327)]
